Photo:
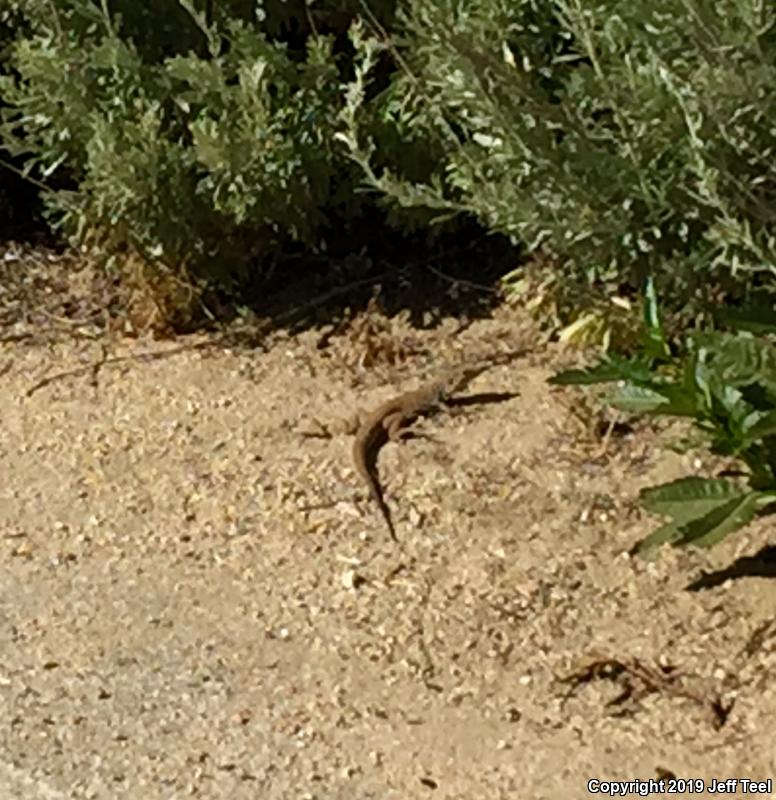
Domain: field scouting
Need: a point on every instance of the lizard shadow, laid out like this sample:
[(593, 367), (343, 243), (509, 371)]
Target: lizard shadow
[(483, 398), (413, 433)]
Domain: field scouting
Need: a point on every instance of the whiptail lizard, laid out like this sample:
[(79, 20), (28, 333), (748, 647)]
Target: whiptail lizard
[(389, 421)]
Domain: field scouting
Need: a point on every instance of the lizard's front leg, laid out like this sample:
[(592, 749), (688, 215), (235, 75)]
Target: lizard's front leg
[(396, 427), (399, 428)]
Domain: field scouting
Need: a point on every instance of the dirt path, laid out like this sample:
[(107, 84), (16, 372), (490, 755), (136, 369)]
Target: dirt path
[(199, 601)]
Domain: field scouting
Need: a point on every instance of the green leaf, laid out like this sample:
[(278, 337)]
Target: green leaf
[(638, 399), (697, 377), (679, 402), (708, 529), (731, 401), (720, 522), (687, 498), (756, 319), (665, 534), (610, 369), (600, 373), (764, 426), (739, 360), (655, 345)]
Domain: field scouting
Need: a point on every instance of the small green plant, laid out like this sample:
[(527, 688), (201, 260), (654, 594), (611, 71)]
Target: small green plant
[(726, 383)]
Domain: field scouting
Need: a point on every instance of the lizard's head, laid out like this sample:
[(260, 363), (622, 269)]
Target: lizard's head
[(460, 377)]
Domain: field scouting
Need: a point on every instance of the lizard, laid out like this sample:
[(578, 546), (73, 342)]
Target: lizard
[(390, 421)]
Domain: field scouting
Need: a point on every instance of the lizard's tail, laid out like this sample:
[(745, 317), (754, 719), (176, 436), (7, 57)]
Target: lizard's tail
[(384, 510)]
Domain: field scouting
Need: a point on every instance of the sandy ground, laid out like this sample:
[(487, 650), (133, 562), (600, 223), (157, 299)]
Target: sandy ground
[(199, 600)]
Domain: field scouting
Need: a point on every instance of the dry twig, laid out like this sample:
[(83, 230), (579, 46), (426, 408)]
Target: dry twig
[(638, 679), (94, 367)]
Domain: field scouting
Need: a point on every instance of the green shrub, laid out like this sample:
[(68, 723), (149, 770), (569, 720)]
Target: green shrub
[(621, 139), (204, 145)]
